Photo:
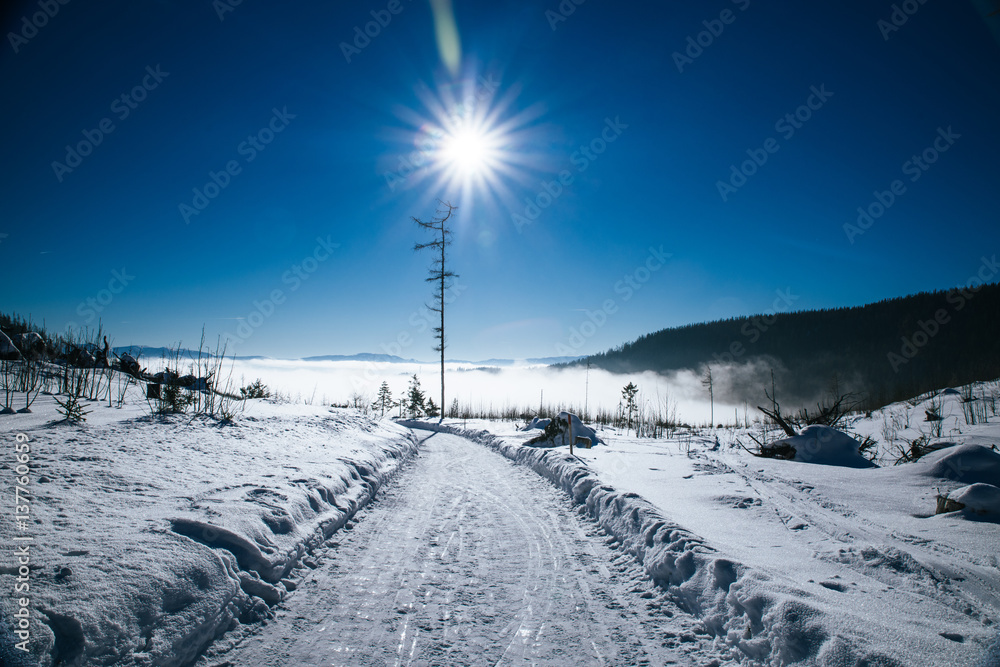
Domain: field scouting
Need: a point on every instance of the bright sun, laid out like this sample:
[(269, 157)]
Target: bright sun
[(467, 151), (468, 145)]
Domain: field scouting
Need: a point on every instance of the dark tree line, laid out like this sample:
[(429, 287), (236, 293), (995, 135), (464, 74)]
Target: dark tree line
[(888, 351)]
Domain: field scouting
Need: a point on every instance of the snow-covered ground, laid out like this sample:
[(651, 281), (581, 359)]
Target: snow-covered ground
[(818, 564), (150, 537)]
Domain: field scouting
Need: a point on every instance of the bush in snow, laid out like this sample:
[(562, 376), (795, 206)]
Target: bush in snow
[(256, 389), (175, 399), (360, 402), (71, 410)]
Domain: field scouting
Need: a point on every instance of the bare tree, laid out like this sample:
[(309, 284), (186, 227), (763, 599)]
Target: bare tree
[(775, 412), (438, 273), (706, 381)]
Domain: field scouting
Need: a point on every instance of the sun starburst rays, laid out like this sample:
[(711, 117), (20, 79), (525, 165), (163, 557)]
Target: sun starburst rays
[(472, 148)]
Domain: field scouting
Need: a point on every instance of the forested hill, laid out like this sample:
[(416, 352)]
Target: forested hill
[(890, 350)]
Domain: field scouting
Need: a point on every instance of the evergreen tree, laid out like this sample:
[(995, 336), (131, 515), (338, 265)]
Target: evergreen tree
[(71, 410), (415, 398), (432, 410), (384, 400), (628, 397)]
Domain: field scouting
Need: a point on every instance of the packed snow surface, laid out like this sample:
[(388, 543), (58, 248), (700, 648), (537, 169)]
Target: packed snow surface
[(468, 559)]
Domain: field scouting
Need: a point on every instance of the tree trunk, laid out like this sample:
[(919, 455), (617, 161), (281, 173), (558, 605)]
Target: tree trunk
[(443, 276)]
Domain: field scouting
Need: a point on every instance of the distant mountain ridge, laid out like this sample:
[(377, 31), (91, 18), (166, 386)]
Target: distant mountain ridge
[(187, 354)]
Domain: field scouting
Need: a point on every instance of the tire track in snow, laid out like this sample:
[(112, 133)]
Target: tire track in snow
[(470, 559)]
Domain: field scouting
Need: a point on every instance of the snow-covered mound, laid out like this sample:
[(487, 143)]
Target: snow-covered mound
[(979, 499), (537, 422), (826, 446), (566, 425), (968, 463)]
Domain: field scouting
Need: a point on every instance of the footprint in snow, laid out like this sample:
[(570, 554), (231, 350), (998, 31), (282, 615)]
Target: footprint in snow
[(833, 586)]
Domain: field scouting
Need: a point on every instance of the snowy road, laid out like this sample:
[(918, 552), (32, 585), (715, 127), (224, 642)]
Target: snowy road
[(469, 559)]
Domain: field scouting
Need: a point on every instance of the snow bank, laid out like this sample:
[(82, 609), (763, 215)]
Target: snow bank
[(826, 446), (152, 538), (969, 463)]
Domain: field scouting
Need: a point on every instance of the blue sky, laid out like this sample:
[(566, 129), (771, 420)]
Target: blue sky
[(312, 230)]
